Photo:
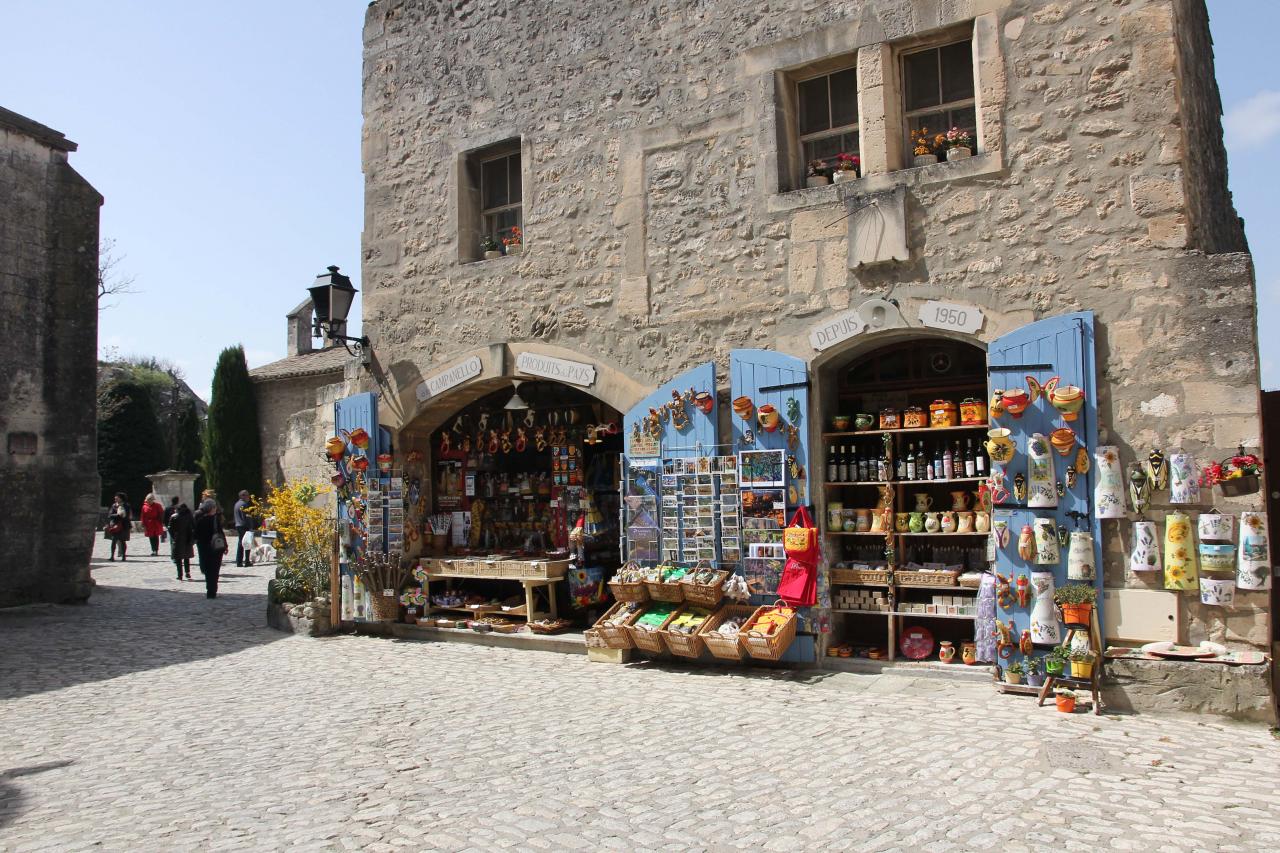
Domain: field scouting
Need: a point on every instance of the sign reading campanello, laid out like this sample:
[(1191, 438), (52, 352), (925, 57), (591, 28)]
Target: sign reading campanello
[(446, 379), (559, 369)]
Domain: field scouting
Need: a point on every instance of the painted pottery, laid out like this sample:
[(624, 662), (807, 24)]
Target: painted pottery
[(1145, 556), (1180, 571), (1082, 461), (335, 448), (964, 522), (1045, 627), (359, 438), (902, 522), (1026, 543), (1253, 569), (914, 417), (1217, 557), (968, 652), (1184, 482), (917, 522), (960, 500), (1158, 470), (1012, 677), (924, 501), (705, 402), (840, 423), (1042, 488), (932, 524), (850, 520), (973, 412), (1080, 564), (1063, 439), (1015, 401), (999, 445), (1067, 399), (948, 522), (1108, 494), (862, 520), (981, 522), (1139, 488), (863, 421), (1215, 527), (768, 418), (360, 463), (943, 413), (835, 515), (946, 651), (996, 407), (1000, 532), (889, 419), (743, 407), (1048, 551), (878, 521), (1218, 592), (384, 462)]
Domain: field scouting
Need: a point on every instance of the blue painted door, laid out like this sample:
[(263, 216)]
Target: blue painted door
[(1061, 347), (350, 413), (776, 386)]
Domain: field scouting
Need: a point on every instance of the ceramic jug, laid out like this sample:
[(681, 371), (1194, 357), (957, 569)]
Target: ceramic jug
[(917, 522), (862, 520), (878, 519), (1045, 627), (960, 500), (1108, 494), (948, 522), (946, 651), (999, 445), (1080, 556), (932, 524), (981, 522), (1042, 491), (902, 522), (924, 502), (964, 522)]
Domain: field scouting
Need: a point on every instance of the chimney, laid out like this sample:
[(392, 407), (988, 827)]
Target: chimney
[(299, 320)]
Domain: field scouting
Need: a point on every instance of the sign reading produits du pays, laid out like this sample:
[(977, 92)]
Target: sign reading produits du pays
[(560, 369), (448, 378), (949, 315)]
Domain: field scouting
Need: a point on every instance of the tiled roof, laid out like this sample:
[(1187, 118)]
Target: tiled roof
[(331, 360), (37, 131)]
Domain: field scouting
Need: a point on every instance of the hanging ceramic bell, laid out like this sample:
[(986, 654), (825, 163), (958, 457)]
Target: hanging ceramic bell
[(1108, 495), (1080, 556), (1145, 556), (1045, 627), (1253, 568), (1180, 569), (1158, 470), (1026, 543), (1047, 548), (1042, 491), (1214, 526), (1139, 488), (1184, 483)]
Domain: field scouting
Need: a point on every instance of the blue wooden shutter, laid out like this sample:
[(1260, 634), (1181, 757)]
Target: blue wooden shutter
[(702, 428), (358, 410), (1056, 346), (768, 377)]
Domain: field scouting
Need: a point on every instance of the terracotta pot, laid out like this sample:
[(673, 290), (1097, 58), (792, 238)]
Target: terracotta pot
[(769, 418), (359, 438), (1063, 439), (1077, 615), (1066, 704), (335, 448), (925, 160), (816, 181), (972, 411), (704, 401), (743, 408), (1067, 399), (840, 423), (1012, 677), (968, 653), (360, 463)]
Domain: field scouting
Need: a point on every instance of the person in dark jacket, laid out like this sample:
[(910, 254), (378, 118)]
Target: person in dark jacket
[(119, 522), (181, 542), (244, 523), (208, 527)]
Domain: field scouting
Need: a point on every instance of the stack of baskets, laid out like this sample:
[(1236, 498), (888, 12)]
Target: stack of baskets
[(706, 594), (661, 587), (617, 636), (770, 645), (650, 639), (628, 584), (725, 648), (684, 645)]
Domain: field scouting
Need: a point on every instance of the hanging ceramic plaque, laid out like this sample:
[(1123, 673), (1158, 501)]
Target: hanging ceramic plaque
[(1217, 592), (1047, 548), (1145, 556), (1215, 526), (1045, 627), (1253, 570), (1184, 482), (1108, 495), (1180, 570), (1042, 490), (1080, 557)]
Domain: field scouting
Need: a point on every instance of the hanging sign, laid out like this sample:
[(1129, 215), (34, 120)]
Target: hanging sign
[(446, 379), (645, 445), (952, 317), (559, 369), (837, 329)]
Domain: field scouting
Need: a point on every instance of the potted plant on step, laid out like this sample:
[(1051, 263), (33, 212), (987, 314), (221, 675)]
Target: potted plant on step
[(959, 144), (1013, 673), (847, 166), (1065, 700), (490, 246), (1031, 668), (817, 174), (1082, 664), (1076, 601), (925, 147), (514, 243), (1056, 661)]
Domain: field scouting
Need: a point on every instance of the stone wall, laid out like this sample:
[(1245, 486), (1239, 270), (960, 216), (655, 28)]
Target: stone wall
[(657, 237), (293, 425), (49, 323)]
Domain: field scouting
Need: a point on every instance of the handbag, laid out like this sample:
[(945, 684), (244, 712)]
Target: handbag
[(800, 538), (799, 583), (218, 542)]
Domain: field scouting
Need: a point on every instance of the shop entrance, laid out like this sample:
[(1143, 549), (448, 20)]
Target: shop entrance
[(903, 460), (522, 508)]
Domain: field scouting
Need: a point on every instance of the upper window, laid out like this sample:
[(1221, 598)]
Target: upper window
[(938, 92), (500, 197), (828, 115), (490, 201)]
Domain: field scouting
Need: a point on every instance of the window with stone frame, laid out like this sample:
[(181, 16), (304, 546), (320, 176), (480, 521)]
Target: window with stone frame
[(827, 116), (938, 90), (500, 195), (490, 197)]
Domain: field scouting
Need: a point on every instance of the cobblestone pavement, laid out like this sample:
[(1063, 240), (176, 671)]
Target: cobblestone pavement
[(155, 719)]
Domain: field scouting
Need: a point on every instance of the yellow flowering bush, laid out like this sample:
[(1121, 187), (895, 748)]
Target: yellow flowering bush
[(304, 538)]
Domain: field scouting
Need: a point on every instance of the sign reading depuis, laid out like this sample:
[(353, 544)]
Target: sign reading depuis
[(446, 379), (839, 328), (562, 370)]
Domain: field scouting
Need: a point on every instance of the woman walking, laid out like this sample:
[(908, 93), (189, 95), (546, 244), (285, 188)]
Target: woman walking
[(211, 543), (119, 520), (181, 530), (152, 522)]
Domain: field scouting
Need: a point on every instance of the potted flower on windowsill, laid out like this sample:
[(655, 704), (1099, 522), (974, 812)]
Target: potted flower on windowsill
[(817, 174), (1076, 601), (490, 246), (1082, 664), (1013, 673), (514, 244), (847, 168), (925, 147), (959, 144)]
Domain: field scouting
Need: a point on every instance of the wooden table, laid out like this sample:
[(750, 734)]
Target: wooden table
[(529, 585)]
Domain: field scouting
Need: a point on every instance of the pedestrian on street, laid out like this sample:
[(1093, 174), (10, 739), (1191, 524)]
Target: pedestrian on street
[(152, 522), (244, 523), (181, 542), (168, 514), (119, 520), (211, 543)]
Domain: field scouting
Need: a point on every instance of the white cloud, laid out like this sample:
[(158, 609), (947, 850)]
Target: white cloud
[(1253, 122)]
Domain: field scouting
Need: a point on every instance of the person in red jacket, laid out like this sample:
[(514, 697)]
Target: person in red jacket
[(153, 522)]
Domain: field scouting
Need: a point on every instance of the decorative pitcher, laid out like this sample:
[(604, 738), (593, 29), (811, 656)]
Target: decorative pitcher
[(948, 522), (1045, 627), (932, 524), (960, 500), (999, 445), (981, 522), (924, 502)]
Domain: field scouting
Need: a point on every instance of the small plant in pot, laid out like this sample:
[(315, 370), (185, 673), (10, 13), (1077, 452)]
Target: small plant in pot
[(1076, 601), (514, 242), (1013, 673), (1065, 700), (847, 167), (959, 144), (1031, 668), (1056, 661), (925, 146), (491, 248), (1236, 476), (818, 174), (1082, 664)]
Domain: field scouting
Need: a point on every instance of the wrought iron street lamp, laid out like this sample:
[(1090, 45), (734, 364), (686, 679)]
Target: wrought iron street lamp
[(331, 296)]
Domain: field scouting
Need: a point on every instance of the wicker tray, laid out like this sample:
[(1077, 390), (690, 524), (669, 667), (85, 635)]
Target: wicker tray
[(685, 645), (773, 646), (535, 569), (611, 636), (860, 576), (559, 626), (705, 595), (903, 578), (650, 641), (726, 648)]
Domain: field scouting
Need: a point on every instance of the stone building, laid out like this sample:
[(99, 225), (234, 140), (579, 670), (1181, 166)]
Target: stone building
[(657, 159), (49, 321)]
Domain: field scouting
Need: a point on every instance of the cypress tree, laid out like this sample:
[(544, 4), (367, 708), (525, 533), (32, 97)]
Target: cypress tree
[(188, 445), (131, 444), (232, 450)]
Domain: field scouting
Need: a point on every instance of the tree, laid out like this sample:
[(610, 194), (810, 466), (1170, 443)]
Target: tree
[(111, 279), (130, 443), (232, 450), (189, 443)]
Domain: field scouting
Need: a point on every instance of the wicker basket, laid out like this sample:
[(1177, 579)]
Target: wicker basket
[(633, 591), (650, 641), (685, 645), (773, 646), (535, 569), (969, 583), (726, 648), (592, 639), (877, 577), (615, 636), (672, 593), (705, 594), (557, 627), (903, 578)]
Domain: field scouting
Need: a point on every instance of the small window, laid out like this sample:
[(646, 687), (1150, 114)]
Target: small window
[(500, 196), (22, 443), (490, 201), (938, 91), (827, 109)]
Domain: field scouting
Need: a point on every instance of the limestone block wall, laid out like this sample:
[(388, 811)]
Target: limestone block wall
[(295, 417), (662, 230), (49, 323)]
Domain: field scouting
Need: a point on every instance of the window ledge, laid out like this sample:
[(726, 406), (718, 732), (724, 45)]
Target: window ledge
[(976, 166), (479, 261)]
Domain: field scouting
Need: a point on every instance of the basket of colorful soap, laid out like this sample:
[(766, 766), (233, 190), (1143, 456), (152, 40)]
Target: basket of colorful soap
[(769, 631), (646, 629), (612, 627), (664, 582), (704, 585), (681, 633), (722, 633), (628, 583)]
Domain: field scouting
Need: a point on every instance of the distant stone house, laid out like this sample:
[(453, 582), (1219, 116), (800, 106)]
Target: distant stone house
[(49, 323)]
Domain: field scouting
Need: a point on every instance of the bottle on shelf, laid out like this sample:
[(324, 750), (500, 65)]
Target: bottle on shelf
[(882, 467), (948, 464), (842, 464), (900, 468), (832, 470), (937, 463), (979, 462), (970, 464), (911, 461)]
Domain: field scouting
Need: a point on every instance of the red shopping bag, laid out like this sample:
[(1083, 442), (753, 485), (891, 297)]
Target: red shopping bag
[(800, 538), (799, 584)]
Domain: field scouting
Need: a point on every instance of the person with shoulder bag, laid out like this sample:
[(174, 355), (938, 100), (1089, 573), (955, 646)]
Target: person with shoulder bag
[(119, 520), (211, 544)]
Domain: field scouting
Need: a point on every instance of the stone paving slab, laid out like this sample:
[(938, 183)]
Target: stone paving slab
[(155, 719)]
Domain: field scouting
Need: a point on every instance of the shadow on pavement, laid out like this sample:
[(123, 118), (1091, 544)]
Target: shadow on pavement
[(11, 796)]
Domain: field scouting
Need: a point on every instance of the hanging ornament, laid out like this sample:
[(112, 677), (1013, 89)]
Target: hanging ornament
[(1180, 569), (444, 443), (1044, 616), (1004, 592), (1071, 476), (1047, 550), (793, 410), (1145, 556), (1042, 493), (1026, 543), (1214, 526), (1024, 643), (1080, 557), (996, 407), (1019, 487), (1108, 495), (1184, 479), (1139, 488), (1022, 589), (1253, 568), (522, 441), (1034, 387), (1157, 471)]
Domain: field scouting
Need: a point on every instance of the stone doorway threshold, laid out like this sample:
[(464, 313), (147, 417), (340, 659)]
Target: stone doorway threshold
[(922, 669), (568, 643)]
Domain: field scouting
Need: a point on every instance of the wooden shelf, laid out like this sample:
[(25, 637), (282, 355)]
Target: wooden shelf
[(845, 583), (862, 483), (934, 586), (865, 612), (941, 535), (906, 483), (856, 533), (932, 615), (912, 430)]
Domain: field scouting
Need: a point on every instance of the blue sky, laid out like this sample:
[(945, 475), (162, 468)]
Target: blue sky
[(226, 139)]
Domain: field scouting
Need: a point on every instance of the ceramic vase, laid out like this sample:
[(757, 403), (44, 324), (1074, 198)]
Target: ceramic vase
[(1048, 552), (1215, 527), (1045, 627), (1253, 568), (1145, 556), (1042, 491), (931, 522), (981, 522), (946, 651), (1184, 484), (1080, 556), (1217, 592), (948, 522), (1108, 495), (1180, 570), (964, 522)]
